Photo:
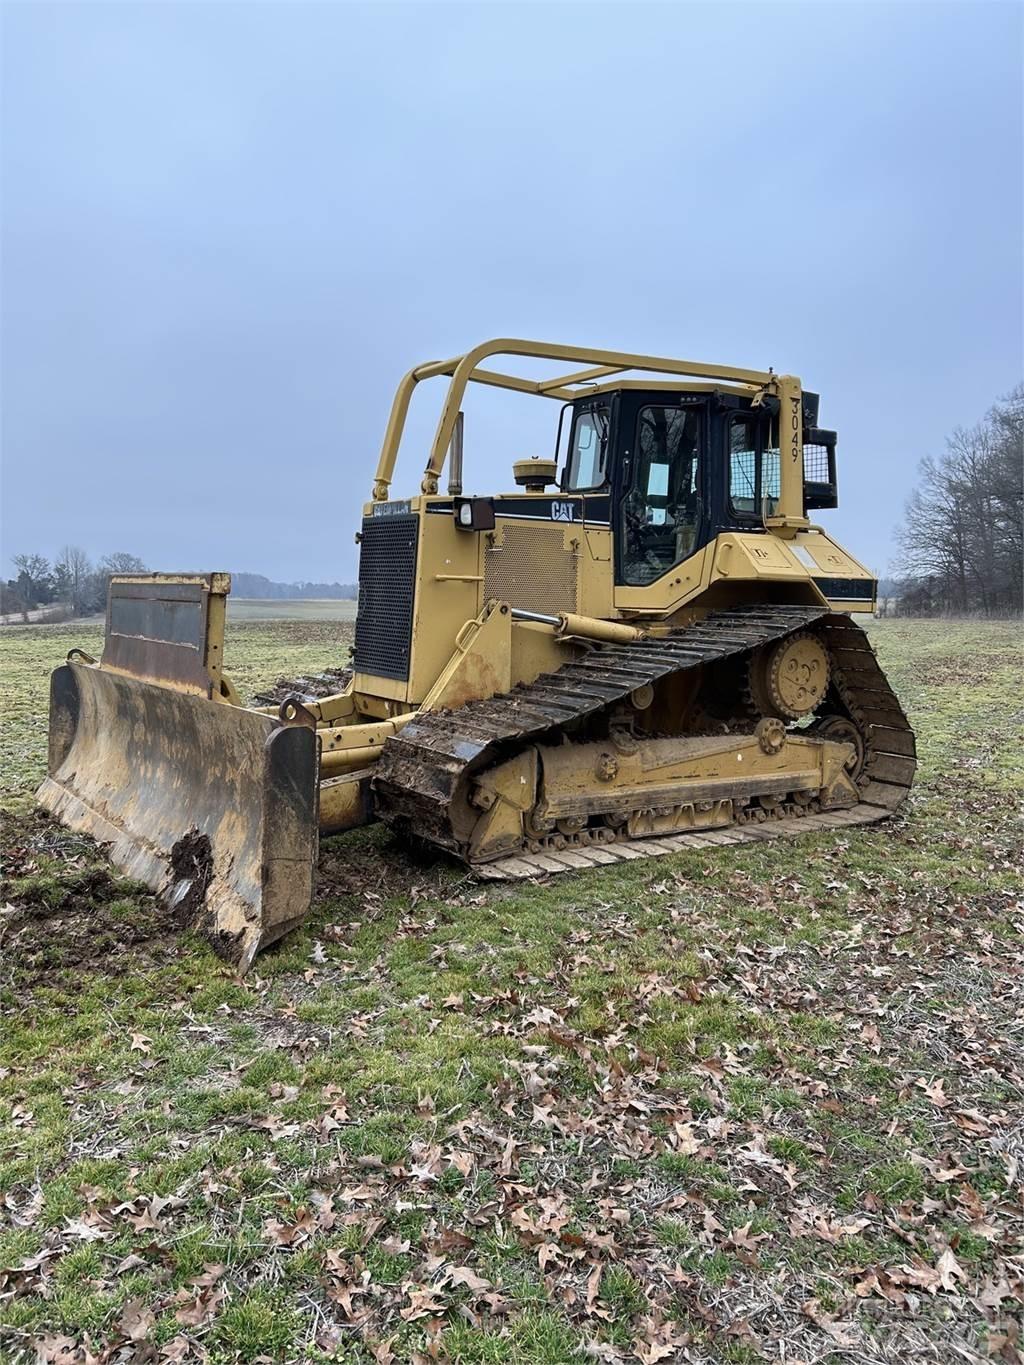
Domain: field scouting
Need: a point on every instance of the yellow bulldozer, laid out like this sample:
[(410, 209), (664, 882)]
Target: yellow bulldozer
[(646, 645)]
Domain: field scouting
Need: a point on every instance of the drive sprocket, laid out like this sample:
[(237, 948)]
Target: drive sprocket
[(790, 677)]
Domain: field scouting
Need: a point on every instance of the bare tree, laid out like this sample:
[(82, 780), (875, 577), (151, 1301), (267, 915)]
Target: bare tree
[(73, 575), (35, 578), (961, 541), (121, 562)]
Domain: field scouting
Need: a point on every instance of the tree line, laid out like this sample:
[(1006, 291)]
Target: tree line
[(255, 585), (73, 586), (70, 586), (961, 541)]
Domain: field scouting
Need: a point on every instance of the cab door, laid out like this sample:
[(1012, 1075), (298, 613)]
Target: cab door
[(588, 476), (659, 503)]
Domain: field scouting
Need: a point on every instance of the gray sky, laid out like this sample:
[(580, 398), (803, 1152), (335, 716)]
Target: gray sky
[(228, 229)]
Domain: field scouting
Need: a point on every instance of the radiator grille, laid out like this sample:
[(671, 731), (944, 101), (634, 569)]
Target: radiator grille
[(532, 569), (387, 585)]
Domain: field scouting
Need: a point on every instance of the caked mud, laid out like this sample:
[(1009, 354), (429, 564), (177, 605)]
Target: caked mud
[(62, 910)]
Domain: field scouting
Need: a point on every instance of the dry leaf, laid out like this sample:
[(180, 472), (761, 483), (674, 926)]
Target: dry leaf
[(137, 1320)]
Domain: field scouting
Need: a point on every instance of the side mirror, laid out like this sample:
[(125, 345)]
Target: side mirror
[(474, 514)]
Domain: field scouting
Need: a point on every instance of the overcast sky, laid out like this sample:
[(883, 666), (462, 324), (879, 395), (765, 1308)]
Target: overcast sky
[(228, 229)]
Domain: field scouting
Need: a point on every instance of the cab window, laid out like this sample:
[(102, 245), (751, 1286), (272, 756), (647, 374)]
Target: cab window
[(753, 469), (660, 512), (588, 453)]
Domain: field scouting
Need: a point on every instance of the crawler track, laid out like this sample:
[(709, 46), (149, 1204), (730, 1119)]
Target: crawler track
[(420, 779)]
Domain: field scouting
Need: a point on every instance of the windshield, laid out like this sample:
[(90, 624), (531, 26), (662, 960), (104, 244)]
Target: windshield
[(588, 453)]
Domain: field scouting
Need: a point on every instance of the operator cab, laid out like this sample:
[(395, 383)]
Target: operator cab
[(671, 470)]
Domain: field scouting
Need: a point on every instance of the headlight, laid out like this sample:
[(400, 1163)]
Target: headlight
[(474, 514)]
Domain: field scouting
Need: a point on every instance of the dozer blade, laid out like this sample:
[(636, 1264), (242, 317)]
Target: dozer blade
[(211, 805)]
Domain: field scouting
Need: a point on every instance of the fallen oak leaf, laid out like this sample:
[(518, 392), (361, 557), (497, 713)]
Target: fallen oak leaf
[(949, 1270), (423, 1302), (934, 1090), (462, 1161), (462, 1274), (650, 1351), (87, 1232), (210, 1274), (341, 1294), (130, 1262), (602, 1350), (742, 1239), (661, 1340), (137, 1320), (290, 1234), (148, 1219), (428, 1166), (992, 1293), (972, 1121), (684, 1140), (450, 1239), (198, 1310), (711, 1224), (56, 1350)]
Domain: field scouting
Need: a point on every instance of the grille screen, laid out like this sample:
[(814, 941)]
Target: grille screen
[(816, 468), (531, 569), (387, 584), (820, 475)]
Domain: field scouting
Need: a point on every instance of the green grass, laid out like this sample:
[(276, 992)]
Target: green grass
[(696, 1075)]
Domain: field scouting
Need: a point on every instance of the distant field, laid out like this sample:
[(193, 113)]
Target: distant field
[(288, 609), (241, 610)]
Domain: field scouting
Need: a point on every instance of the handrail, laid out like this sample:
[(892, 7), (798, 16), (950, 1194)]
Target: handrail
[(464, 369)]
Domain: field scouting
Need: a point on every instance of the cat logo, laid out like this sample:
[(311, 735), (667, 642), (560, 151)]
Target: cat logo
[(561, 511)]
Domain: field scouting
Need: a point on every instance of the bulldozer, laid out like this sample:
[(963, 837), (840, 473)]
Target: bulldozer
[(646, 645)]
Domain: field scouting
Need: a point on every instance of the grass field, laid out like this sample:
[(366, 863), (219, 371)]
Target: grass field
[(242, 609), (762, 1103)]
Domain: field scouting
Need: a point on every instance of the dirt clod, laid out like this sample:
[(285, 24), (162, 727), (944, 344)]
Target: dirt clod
[(192, 866), (62, 909)]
